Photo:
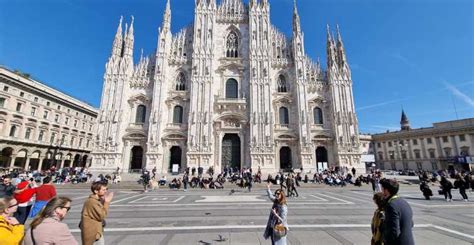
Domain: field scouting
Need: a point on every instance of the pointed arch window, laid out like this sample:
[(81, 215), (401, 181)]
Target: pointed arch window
[(231, 89), (178, 114), (282, 86), (284, 116), (232, 45), (181, 82), (318, 115), (141, 114)]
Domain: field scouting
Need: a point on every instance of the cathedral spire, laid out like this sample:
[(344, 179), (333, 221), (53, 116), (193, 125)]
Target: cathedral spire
[(296, 19), (167, 17), (129, 40), (118, 40), (340, 48), (329, 48), (404, 123)]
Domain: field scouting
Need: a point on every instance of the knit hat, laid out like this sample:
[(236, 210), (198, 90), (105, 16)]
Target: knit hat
[(22, 185)]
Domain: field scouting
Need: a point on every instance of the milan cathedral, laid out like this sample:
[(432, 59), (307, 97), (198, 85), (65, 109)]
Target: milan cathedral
[(229, 90)]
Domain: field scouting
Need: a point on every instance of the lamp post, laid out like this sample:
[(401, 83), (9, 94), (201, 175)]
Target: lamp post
[(57, 147)]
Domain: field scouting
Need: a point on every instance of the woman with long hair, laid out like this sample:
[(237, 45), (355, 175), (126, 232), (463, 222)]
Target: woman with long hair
[(377, 219), (277, 226), (11, 231), (47, 227)]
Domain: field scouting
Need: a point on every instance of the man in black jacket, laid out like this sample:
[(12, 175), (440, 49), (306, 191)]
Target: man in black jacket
[(398, 223), (7, 188)]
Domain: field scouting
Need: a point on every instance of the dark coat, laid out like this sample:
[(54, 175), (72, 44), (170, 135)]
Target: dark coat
[(398, 223), (6, 190)]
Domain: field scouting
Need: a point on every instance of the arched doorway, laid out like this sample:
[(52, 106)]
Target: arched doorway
[(84, 161), (47, 161), (20, 159), (137, 158), (175, 157), (231, 151), (321, 158), (285, 158), (34, 160), (6, 157), (67, 160), (76, 161)]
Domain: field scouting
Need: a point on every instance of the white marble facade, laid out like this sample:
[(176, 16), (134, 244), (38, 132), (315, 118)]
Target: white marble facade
[(227, 90)]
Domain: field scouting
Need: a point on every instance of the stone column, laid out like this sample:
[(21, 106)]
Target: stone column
[(455, 145), (27, 162), (12, 163), (40, 163), (62, 162)]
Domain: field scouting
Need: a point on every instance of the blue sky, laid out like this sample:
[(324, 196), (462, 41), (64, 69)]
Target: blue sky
[(412, 53)]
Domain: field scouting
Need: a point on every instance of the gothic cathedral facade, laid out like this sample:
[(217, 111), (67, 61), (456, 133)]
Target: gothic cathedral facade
[(229, 90)]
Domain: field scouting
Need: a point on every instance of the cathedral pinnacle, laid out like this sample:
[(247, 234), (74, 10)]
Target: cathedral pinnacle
[(296, 19), (129, 40), (167, 17), (118, 41)]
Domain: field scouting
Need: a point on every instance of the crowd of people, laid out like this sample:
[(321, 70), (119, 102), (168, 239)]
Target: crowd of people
[(36, 199), (196, 179), (27, 195), (73, 175), (462, 181)]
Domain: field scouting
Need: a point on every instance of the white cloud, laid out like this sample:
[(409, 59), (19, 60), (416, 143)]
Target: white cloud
[(456, 92)]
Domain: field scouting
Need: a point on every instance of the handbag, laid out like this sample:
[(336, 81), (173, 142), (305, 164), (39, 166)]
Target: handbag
[(279, 231)]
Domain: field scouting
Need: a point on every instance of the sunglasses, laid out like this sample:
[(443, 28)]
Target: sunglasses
[(67, 208)]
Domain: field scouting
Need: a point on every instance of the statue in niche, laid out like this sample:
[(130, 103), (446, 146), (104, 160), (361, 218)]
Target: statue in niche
[(265, 72)]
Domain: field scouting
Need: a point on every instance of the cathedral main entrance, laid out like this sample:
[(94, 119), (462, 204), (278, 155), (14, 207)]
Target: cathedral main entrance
[(231, 151), (137, 158), (321, 158), (175, 157), (285, 158)]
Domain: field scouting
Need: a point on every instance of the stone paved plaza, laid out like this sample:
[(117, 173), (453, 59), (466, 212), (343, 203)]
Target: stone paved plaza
[(321, 215)]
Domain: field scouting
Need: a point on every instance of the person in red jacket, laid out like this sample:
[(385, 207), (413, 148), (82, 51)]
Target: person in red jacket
[(23, 194), (44, 193)]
